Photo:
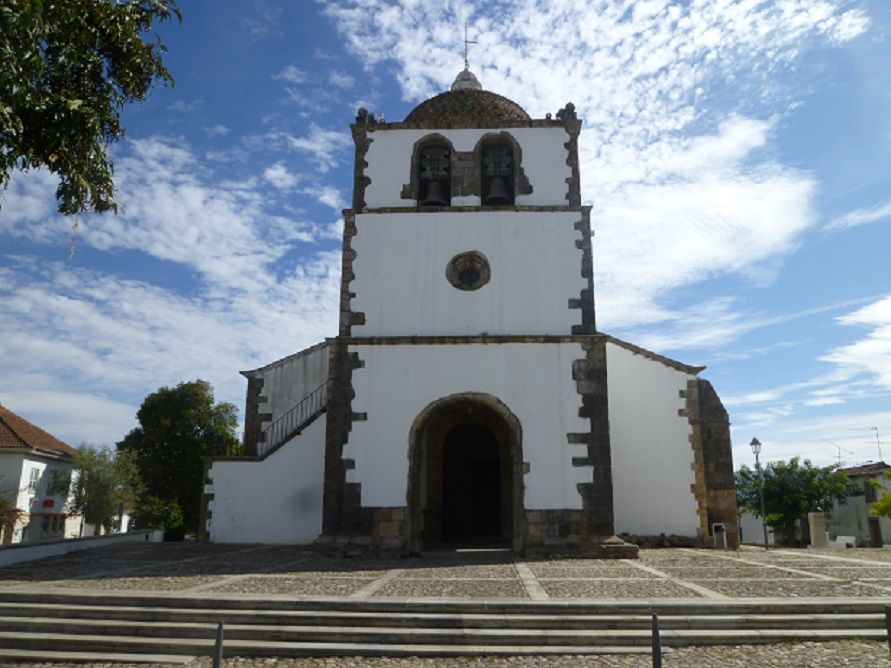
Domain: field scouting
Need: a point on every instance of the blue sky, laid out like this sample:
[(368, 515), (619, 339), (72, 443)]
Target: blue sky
[(736, 155)]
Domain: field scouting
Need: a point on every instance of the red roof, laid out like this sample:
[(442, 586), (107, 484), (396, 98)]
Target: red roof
[(16, 432), (872, 468)]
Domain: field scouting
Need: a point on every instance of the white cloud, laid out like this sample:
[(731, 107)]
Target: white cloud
[(218, 130), (848, 26), (263, 21), (75, 417), (324, 145), (327, 195), (184, 106), (340, 79), (860, 217), (28, 198), (112, 340), (871, 355), (292, 74), (279, 176), (784, 437)]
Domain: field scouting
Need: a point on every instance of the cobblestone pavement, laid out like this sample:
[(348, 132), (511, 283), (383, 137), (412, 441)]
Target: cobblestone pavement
[(291, 571), (810, 655), (190, 568)]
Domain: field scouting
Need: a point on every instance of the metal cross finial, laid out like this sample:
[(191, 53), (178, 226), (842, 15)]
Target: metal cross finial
[(466, 42)]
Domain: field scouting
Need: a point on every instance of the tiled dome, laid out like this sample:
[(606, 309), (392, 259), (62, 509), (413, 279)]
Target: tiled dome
[(466, 105)]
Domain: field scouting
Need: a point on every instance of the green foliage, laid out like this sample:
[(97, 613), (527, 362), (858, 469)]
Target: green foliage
[(103, 483), (791, 490), (60, 483), (881, 507), (161, 513), (67, 67), (8, 512), (177, 427)]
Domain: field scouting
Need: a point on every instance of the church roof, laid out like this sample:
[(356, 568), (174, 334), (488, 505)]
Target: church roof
[(16, 432), (466, 105)]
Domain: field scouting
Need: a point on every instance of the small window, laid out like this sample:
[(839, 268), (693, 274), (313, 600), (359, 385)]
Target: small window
[(497, 174), (60, 482), (869, 491), (434, 176), (468, 271), (34, 480)]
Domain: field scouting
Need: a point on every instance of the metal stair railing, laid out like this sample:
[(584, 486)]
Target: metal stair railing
[(286, 427)]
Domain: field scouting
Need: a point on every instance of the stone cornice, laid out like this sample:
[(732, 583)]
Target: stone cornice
[(472, 125), (495, 339), (559, 208)]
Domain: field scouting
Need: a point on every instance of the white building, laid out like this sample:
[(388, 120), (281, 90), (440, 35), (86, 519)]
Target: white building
[(35, 476), (851, 517), (469, 397)]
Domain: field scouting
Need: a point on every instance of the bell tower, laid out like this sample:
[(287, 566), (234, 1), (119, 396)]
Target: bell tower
[(467, 363), (468, 399)]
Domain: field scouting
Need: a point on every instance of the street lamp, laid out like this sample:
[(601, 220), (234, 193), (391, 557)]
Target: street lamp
[(756, 448)]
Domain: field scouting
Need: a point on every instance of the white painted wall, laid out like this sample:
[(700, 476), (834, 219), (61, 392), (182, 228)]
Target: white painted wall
[(401, 284), (11, 464), (533, 380), (12, 554), (752, 531), (851, 516), (275, 500), (651, 453), (289, 380), (543, 159)]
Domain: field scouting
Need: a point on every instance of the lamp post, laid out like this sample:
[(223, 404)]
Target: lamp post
[(756, 448)]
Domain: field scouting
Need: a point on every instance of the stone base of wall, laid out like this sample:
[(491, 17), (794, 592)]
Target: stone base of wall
[(380, 529), (561, 532), (615, 548), (662, 540), (566, 532)]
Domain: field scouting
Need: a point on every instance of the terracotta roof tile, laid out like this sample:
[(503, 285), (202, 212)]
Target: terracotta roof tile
[(17, 432), (873, 468)]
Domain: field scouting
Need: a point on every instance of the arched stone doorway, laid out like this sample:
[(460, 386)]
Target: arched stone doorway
[(465, 482)]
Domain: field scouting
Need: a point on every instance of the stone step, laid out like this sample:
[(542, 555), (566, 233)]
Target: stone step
[(607, 644), (184, 649), (40, 656), (550, 607), (308, 650), (379, 634), (12, 614)]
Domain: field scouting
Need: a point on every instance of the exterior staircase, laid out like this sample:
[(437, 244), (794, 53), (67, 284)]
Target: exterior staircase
[(294, 421), (133, 627)]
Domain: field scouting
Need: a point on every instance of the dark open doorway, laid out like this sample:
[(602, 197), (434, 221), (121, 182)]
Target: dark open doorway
[(465, 486), (471, 485)]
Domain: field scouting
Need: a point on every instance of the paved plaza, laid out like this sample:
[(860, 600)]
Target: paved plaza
[(188, 568), (185, 569)]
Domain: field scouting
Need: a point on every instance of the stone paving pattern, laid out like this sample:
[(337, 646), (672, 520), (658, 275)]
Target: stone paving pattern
[(190, 568), (293, 571)]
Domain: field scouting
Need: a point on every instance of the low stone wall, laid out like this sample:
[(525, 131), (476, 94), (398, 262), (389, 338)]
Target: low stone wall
[(11, 554)]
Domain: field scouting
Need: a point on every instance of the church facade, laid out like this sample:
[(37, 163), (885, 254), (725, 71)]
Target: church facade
[(469, 398)]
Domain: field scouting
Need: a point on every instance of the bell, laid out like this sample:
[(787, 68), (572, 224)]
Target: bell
[(435, 195), (497, 194)]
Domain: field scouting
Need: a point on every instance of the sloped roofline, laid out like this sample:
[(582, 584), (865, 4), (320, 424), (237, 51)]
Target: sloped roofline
[(251, 373), (872, 468), (656, 357), (17, 433)]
